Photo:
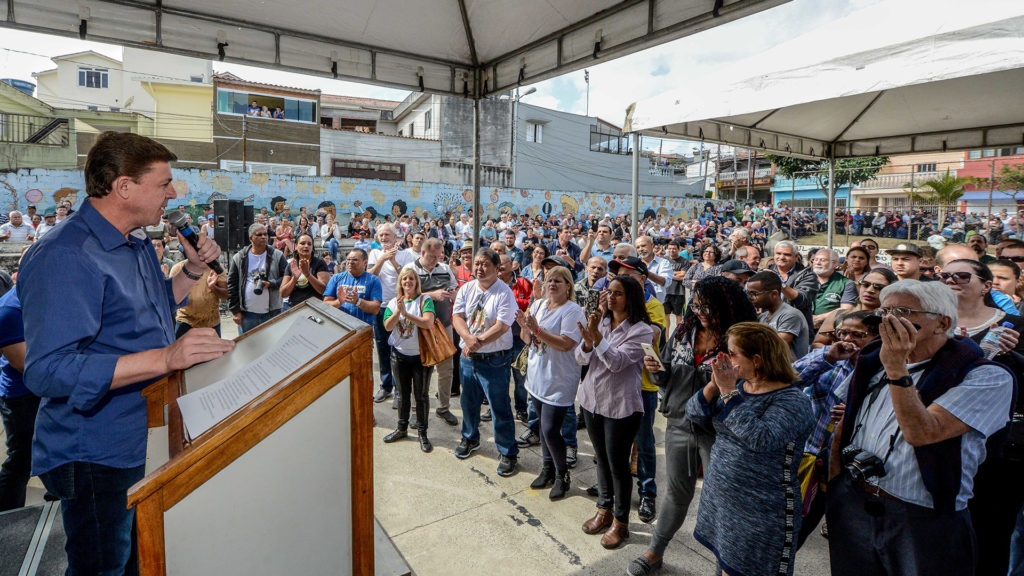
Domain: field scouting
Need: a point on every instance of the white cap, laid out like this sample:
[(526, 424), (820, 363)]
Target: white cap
[(936, 241)]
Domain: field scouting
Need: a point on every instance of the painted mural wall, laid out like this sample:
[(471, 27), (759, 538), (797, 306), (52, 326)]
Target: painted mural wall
[(373, 198)]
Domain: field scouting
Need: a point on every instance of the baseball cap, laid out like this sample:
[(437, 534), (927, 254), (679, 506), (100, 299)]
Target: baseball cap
[(736, 267), (904, 248), (630, 262), (936, 241), (557, 261)]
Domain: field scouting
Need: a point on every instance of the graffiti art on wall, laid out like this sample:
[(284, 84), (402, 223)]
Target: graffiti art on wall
[(370, 198)]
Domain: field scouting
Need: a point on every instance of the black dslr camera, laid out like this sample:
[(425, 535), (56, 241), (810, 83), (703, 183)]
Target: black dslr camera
[(258, 278), (861, 464)]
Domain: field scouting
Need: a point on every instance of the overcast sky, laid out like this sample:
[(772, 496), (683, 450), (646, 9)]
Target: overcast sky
[(796, 33)]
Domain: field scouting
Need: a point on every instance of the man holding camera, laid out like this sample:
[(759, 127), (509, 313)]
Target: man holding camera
[(254, 281), (920, 407)]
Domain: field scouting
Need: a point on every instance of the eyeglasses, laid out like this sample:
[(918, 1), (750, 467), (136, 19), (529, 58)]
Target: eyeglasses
[(875, 285), (855, 334), (868, 247), (1017, 259), (902, 312), (756, 293), (260, 234), (700, 308), (957, 277)]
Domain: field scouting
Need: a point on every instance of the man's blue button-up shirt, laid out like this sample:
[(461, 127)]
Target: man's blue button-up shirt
[(89, 296)]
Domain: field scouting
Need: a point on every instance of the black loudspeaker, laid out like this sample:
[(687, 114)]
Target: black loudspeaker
[(231, 224)]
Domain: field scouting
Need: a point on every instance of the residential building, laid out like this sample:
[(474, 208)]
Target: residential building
[(744, 175), (163, 96), (367, 115), (983, 164), (889, 189), (805, 193), (248, 143), (33, 134)]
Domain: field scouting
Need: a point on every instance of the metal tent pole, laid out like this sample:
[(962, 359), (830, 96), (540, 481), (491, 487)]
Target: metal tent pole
[(831, 201), (635, 204), (477, 216)]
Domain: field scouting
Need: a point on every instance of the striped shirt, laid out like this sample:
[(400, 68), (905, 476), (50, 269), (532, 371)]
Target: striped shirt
[(982, 401)]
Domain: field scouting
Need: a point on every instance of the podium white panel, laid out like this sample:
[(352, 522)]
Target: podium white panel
[(282, 507)]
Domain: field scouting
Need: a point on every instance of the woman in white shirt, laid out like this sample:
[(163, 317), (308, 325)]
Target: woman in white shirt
[(551, 330), (405, 315)]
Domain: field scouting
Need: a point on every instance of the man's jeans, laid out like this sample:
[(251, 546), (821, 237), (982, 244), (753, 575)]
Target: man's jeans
[(380, 338), (519, 394), (646, 460), (19, 418), (568, 424), (100, 528), (488, 376), (251, 320)]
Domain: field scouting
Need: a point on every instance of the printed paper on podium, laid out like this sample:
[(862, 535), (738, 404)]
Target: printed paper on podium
[(204, 408)]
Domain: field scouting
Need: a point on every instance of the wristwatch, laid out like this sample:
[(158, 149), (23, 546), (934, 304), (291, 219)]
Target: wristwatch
[(902, 381)]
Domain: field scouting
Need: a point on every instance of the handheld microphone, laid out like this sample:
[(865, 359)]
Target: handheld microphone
[(177, 219)]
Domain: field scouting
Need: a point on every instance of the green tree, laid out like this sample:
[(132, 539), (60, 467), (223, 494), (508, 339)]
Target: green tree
[(852, 171), (943, 191), (1011, 180)]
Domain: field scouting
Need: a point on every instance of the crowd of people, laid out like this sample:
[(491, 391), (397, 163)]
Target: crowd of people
[(881, 398)]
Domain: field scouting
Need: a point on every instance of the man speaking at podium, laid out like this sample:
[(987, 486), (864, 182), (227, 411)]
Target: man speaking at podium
[(99, 326)]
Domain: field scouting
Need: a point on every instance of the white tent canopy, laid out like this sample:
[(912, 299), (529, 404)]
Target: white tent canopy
[(466, 47), (958, 89)]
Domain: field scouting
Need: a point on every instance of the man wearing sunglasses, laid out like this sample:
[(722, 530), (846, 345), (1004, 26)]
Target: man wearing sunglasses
[(920, 406), (871, 246)]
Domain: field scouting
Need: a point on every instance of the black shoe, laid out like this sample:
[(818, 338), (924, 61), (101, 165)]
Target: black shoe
[(643, 567), (396, 436), (527, 439), (507, 465), (486, 416), (546, 478), (646, 511), (570, 456), (466, 448), (523, 417), (381, 395), (561, 487), (448, 417), (456, 393), (592, 491), (425, 444)]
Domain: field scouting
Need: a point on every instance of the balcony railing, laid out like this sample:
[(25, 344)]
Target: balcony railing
[(28, 129), (729, 175), (898, 180)]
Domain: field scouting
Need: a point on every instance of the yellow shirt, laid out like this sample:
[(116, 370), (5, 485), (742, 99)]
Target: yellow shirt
[(656, 310), (203, 308)]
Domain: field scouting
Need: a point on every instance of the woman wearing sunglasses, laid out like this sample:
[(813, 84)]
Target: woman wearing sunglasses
[(869, 290), (998, 495)]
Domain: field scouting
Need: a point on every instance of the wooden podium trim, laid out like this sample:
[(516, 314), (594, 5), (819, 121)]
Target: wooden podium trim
[(192, 465)]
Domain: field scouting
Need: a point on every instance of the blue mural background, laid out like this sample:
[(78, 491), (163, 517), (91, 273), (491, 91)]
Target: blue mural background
[(375, 198)]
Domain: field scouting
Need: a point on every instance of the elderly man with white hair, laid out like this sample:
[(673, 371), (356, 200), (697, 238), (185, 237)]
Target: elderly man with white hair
[(386, 263), (16, 229), (835, 291), (920, 406)]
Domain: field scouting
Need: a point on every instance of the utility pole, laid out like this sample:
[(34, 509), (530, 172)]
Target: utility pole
[(735, 174), (991, 189), (586, 78), (245, 130), (750, 171)]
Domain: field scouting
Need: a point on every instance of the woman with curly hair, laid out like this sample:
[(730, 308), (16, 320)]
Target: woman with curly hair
[(709, 265), (717, 305)]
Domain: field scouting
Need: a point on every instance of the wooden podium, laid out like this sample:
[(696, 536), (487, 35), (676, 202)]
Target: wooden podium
[(283, 485)]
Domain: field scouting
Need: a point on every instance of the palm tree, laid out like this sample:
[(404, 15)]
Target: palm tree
[(943, 192)]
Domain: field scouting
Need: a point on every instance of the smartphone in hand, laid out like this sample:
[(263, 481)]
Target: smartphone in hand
[(649, 351)]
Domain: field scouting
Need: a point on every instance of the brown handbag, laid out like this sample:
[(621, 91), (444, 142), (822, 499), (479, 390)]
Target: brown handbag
[(435, 344)]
